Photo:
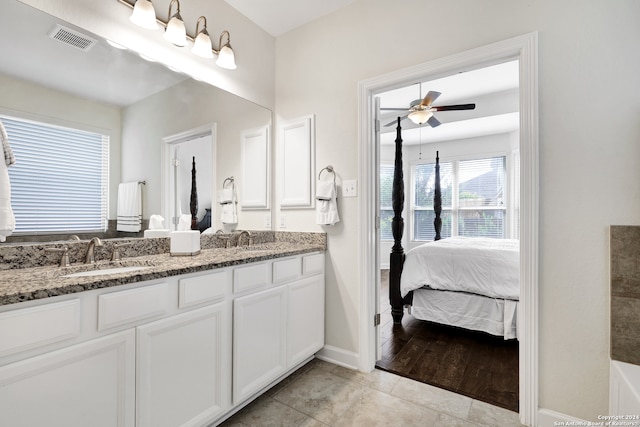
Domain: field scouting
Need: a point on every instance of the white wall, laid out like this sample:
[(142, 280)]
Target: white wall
[(589, 179), (29, 101), (181, 108), (253, 47)]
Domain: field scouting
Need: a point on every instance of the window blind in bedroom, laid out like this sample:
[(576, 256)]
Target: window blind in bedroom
[(473, 198)]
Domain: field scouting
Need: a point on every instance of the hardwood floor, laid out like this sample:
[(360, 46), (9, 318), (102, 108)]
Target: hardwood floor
[(474, 364)]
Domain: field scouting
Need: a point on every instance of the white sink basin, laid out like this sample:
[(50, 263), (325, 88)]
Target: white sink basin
[(106, 271)]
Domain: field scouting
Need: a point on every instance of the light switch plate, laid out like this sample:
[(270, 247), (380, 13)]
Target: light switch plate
[(350, 188)]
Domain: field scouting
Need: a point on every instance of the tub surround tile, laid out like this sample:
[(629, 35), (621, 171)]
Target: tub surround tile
[(625, 329), (625, 293)]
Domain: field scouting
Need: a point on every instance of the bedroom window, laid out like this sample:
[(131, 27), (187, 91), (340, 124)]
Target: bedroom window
[(473, 198), (386, 207), (59, 183)]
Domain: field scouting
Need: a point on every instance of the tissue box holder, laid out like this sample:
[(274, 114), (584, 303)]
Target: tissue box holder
[(185, 243)]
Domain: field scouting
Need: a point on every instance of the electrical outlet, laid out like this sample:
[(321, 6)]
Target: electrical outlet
[(267, 221), (283, 221), (350, 188)]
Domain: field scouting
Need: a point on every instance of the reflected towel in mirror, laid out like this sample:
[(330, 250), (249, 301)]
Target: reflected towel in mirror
[(7, 219), (129, 208)]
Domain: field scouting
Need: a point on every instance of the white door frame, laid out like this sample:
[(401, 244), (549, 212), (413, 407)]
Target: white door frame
[(525, 49), (166, 170)]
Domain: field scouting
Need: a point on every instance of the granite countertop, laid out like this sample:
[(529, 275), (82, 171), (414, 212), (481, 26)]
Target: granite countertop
[(26, 284)]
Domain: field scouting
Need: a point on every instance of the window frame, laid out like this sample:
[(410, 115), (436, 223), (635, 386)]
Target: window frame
[(509, 206), (380, 207), (103, 162)]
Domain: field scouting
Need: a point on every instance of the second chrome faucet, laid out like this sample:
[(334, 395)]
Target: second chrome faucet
[(90, 257)]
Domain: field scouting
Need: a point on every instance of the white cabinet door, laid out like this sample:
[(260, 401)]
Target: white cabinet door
[(183, 368), (88, 384), (306, 319), (259, 340)]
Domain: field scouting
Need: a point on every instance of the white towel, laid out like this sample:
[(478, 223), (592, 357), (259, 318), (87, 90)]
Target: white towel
[(7, 219), (225, 196), (228, 205), (129, 209), (156, 222), (325, 190), (9, 158), (184, 222), (326, 204)]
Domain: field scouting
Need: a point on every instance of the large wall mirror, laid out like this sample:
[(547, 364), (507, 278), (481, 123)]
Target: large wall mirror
[(137, 103)]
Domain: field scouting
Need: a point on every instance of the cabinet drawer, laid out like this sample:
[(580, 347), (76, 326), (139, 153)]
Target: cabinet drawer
[(251, 277), (312, 264), (38, 326), (207, 288), (120, 308), (288, 269)]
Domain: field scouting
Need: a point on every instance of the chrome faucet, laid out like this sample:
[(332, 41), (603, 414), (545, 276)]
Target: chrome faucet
[(90, 258), (249, 237)]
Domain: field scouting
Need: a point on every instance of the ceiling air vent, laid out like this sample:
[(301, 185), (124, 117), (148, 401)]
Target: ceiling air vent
[(72, 38)]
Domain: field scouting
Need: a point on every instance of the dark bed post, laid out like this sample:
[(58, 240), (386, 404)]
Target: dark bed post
[(397, 228), (437, 200)]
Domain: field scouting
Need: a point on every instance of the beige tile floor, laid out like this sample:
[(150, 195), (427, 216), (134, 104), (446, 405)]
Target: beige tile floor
[(322, 394)]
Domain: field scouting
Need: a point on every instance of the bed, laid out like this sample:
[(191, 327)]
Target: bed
[(467, 282)]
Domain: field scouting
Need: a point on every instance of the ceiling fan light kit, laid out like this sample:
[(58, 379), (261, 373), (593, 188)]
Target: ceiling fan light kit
[(144, 16), (420, 116), (421, 111)]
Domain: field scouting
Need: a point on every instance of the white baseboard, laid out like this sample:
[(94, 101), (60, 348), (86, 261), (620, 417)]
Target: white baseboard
[(347, 359), (549, 418)]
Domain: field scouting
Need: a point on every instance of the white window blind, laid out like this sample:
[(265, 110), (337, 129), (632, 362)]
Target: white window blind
[(60, 180), (386, 205), (473, 199)]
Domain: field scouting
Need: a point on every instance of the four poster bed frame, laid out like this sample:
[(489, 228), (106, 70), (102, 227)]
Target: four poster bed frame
[(468, 282)]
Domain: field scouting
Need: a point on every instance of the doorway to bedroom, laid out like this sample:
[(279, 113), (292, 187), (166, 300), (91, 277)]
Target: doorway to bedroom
[(479, 173)]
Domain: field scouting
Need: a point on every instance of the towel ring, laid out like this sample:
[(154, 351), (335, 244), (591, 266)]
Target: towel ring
[(330, 170), (230, 179)]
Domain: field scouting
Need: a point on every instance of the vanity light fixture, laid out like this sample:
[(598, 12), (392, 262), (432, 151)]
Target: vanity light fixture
[(226, 58), (202, 43), (143, 15), (175, 32)]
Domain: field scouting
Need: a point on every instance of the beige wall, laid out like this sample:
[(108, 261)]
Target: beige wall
[(181, 108), (589, 133), (29, 101), (253, 47), (589, 151)]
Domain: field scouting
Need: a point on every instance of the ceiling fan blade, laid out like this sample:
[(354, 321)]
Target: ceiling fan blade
[(393, 109), (396, 120), (455, 107), (433, 122), (429, 98)]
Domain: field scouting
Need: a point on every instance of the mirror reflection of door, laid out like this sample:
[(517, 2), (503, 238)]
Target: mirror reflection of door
[(181, 158)]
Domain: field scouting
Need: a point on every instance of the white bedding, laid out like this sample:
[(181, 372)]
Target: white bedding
[(469, 311), (482, 266)]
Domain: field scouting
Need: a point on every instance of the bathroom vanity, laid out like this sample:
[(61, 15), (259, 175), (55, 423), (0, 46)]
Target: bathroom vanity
[(158, 340)]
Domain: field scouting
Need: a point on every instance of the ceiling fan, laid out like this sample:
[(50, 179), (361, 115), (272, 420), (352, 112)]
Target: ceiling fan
[(421, 111)]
